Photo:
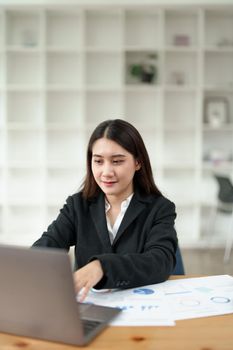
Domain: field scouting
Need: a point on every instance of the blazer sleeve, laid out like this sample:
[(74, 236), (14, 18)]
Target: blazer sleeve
[(61, 232), (154, 265)]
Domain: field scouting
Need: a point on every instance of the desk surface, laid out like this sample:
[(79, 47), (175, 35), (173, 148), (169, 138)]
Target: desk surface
[(208, 333)]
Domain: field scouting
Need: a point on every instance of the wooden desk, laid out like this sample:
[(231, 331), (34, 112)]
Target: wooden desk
[(208, 333)]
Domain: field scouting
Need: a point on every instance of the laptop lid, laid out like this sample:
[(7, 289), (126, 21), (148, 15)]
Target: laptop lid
[(37, 297)]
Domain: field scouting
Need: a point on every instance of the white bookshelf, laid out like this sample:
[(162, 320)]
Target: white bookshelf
[(65, 69)]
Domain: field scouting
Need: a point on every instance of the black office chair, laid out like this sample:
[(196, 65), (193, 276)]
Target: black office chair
[(179, 268), (225, 205)]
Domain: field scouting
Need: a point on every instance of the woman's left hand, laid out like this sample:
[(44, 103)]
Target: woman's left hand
[(87, 277)]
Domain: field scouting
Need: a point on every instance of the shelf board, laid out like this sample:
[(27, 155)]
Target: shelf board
[(14, 126), (25, 202), (179, 128), (220, 88), (103, 49), (62, 49), (25, 165), (62, 87), (217, 165), (225, 128), (64, 126), (180, 49), (26, 88), (218, 49), (103, 88), (23, 49), (180, 88), (179, 166), (141, 48)]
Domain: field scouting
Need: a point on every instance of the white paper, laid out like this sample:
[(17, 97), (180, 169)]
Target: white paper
[(140, 306), (161, 304)]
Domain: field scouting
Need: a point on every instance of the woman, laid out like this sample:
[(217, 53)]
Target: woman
[(120, 224)]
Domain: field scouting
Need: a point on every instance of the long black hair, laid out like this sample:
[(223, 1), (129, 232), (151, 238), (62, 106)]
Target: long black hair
[(128, 137)]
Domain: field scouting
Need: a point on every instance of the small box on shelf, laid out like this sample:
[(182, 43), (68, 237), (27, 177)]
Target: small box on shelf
[(181, 27)]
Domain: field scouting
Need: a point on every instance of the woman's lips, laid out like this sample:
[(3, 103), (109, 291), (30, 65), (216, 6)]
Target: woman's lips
[(108, 183)]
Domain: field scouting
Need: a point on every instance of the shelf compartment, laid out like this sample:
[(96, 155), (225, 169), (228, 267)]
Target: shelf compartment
[(142, 68), (24, 147), (181, 68), (24, 224), (180, 185), (64, 29), (23, 183), (143, 109), (25, 108), (103, 69), (103, 105), (152, 141), (103, 29), (179, 148), (24, 69), (142, 29), (64, 108), (180, 109), (217, 146), (63, 182), (64, 69), (22, 28), (187, 225), (225, 97), (219, 28), (181, 27), (65, 147), (222, 76)]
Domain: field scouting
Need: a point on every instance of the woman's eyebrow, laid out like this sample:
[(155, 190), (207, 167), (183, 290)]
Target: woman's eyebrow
[(118, 155), (112, 156)]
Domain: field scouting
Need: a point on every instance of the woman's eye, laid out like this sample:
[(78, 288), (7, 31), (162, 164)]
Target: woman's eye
[(117, 161), (97, 161)]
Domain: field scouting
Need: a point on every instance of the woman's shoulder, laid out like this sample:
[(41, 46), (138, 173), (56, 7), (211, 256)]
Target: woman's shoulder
[(77, 199), (158, 201)]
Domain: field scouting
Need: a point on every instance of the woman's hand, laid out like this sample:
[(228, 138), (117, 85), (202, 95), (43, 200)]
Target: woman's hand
[(87, 277)]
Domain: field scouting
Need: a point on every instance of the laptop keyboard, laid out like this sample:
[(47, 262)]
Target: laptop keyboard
[(90, 325)]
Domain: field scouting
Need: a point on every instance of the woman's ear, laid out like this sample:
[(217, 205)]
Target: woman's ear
[(138, 165)]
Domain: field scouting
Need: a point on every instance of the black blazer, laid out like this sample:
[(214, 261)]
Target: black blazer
[(144, 248)]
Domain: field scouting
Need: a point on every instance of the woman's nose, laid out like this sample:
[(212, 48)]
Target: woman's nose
[(107, 169)]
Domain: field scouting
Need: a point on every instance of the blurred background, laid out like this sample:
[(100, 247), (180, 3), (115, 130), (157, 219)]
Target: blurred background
[(65, 66)]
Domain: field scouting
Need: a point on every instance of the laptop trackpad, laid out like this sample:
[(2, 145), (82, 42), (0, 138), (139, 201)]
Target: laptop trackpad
[(96, 312)]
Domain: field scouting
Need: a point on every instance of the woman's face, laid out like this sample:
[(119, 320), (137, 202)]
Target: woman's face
[(113, 168)]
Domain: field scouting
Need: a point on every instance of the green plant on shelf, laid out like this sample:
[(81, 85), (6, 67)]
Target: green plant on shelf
[(144, 71)]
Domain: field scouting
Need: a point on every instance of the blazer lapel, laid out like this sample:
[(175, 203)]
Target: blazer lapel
[(136, 206), (97, 209)]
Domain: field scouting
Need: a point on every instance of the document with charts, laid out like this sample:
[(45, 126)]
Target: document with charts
[(163, 303)]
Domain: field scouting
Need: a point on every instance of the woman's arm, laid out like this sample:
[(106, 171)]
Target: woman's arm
[(153, 265), (61, 232)]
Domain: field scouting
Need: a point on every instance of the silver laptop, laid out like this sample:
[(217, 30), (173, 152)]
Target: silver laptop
[(37, 298)]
